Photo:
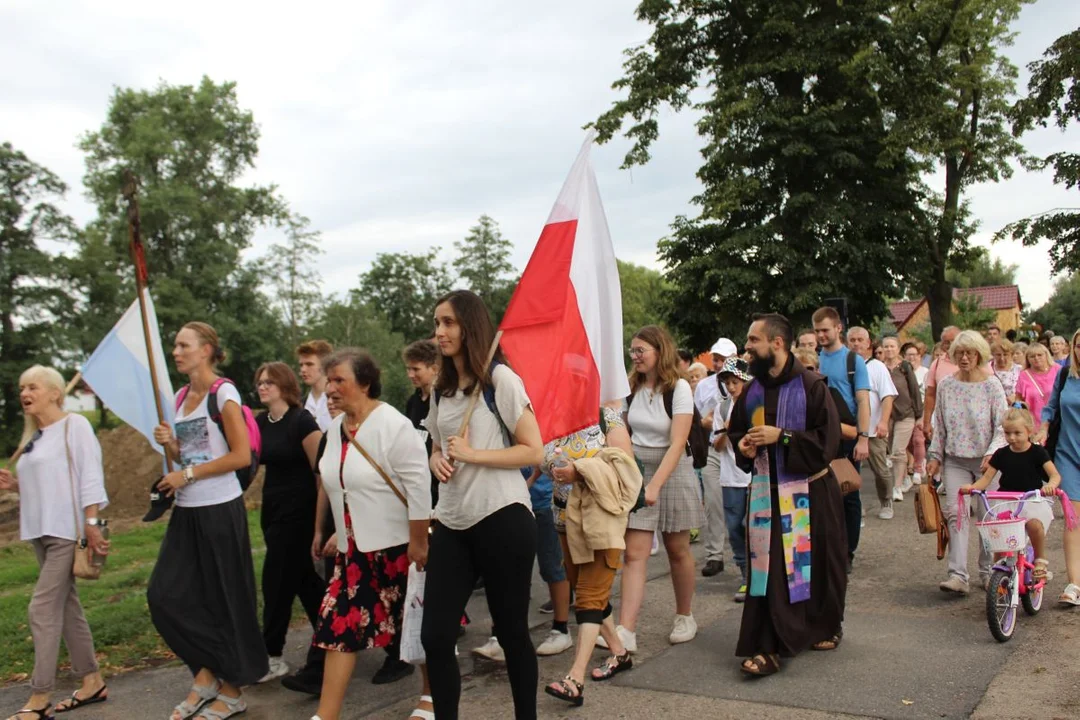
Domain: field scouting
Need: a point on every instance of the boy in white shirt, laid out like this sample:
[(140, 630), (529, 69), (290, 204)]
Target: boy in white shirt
[(311, 355), (734, 483)]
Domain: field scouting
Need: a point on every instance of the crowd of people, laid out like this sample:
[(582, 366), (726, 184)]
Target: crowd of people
[(460, 484)]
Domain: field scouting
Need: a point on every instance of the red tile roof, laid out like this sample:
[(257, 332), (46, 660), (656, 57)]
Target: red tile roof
[(903, 310), (994, 297)]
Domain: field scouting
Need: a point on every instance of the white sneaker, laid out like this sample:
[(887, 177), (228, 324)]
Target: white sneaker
[(491, 650), (916, 478), (629, 640), (886, 511), (908, 483), (278, 668), (684, 631), (555, 643), (655, 544), (954, 584), (897, 495)]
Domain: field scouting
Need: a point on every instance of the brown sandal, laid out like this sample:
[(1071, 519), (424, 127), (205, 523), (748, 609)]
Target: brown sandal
[(761, 665), (613, 666), (568, 689), (830, 644)]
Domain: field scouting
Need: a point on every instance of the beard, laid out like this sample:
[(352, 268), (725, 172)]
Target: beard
[(760, 366)]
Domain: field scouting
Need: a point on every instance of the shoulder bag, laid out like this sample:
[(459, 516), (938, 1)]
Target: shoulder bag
[(378, 469), (849, 478), (82, 567)]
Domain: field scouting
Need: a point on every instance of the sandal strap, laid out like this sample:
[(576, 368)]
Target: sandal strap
[(43, 713), (233, 706)]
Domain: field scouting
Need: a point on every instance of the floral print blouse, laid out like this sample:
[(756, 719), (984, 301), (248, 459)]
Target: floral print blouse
[(967, 419), (582, 444), (1008, 379)]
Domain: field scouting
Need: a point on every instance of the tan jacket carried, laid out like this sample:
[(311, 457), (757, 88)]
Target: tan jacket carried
[(598, 506)]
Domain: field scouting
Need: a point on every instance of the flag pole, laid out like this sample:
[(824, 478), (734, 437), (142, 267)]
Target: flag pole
[(139, 259), (478, 389)]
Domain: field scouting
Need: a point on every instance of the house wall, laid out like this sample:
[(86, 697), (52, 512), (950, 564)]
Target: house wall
[(1006, 320)]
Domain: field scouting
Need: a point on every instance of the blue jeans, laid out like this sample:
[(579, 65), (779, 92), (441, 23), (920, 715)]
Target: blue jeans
[(548, 550), (735, 499)]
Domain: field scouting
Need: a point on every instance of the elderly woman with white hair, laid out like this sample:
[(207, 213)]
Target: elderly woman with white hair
[(61, 488), (1035, 384), (970, 408)]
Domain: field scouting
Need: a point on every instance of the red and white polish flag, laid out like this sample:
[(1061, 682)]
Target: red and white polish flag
[(562, 332)]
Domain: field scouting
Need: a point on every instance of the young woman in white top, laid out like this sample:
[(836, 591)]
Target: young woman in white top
[(202, 595), (484, 522), (672, 492), (381, 525), (60, 483)]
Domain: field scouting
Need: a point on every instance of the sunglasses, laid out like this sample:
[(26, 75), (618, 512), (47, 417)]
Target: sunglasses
[(30, 445)]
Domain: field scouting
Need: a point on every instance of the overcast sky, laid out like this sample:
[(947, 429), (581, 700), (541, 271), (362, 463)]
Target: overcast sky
[(394, 126)]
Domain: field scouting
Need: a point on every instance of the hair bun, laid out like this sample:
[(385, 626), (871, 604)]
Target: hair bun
[(219, 355)]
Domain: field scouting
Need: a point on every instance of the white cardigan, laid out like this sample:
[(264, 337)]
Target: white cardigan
[(379, 519)]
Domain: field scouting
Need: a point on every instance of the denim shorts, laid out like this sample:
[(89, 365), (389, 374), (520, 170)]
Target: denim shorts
[(548, 550)]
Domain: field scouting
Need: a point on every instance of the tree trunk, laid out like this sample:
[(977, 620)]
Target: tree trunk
[(939, 291)]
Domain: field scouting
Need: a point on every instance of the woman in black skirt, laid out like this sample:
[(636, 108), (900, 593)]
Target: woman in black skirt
[(202, 591), (372, 466)]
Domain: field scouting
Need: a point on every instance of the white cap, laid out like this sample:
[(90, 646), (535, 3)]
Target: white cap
[(724, 347)]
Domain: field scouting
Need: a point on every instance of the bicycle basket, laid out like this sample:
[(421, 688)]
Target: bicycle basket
[(1003, 535)]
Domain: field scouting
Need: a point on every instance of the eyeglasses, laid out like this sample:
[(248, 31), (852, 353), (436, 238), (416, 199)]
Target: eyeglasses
[(638, 351), (30, 445), (265, 383)]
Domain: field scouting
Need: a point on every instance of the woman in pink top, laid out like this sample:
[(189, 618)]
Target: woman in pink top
[(1037, 382)]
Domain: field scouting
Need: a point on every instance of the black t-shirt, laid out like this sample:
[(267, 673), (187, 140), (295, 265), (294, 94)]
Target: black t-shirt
[(416, 409), (287, 468), (1023, 471)]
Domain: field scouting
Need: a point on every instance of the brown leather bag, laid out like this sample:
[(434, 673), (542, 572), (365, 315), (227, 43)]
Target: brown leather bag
[(929, 516), (82, 567), (849, 478)]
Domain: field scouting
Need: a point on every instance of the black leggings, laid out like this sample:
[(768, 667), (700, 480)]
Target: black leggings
[(287, 573), (500, 548)]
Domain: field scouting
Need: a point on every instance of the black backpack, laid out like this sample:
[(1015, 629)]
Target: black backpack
[(697, 444)]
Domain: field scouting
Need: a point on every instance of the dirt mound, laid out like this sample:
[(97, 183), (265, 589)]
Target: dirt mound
[(131, 467)]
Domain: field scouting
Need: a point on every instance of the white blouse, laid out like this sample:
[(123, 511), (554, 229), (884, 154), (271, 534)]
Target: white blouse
[(379, 519), (45, 483)]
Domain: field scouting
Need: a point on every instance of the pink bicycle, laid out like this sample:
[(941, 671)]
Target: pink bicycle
[(1012, 581)]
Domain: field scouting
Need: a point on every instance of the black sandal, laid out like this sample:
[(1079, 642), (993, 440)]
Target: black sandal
[(612, 667), (76, 702), (761, 665), (43, 713), (830, 644), (568, 689)]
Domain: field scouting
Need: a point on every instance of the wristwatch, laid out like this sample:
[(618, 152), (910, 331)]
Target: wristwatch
[(864, 434), (785, 437), (189, 475), (94, 521)]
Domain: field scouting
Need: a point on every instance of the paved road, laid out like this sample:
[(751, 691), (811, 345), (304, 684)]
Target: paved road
[(909, 652)]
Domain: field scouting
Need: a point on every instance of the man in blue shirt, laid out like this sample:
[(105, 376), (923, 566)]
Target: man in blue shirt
[(856, 393)]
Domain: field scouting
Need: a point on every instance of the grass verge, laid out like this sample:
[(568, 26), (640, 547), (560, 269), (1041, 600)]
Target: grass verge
[(115, 604)]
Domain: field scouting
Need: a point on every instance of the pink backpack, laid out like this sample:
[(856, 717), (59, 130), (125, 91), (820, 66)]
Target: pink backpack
[(247, 474)]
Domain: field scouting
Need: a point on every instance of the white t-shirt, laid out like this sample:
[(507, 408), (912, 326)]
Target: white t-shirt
[(45, 482), (649, 420), (710, 395), (881, 387), (730, 473), (319, 410), (474, 491), (201, 442), (920, 375)]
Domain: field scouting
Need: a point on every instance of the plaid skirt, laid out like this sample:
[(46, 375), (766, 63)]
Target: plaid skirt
[(680, 505)]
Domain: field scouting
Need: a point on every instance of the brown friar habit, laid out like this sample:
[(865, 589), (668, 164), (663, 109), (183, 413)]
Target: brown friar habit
[(772, 624)]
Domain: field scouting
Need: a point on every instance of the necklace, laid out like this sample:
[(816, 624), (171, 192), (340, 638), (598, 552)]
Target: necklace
[(273, 419)]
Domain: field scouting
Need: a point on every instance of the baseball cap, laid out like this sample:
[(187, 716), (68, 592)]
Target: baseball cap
[(737, 367), (724, 347), (159, 502)]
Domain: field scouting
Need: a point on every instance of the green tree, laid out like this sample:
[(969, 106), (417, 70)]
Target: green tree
[(350, 322), (1061, 313), (802, 197), (31, 296), (405, 286), (1053, 93), (941, 72), (970, 314), (293, 278), (483, 263), (644, 299), (189, 146), (981, 270)]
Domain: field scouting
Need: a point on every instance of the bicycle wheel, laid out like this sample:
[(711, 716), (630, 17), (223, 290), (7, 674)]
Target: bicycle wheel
[(1032, 600), (1000, 612)]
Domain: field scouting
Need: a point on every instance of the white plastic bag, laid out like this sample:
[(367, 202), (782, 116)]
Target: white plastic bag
[(412, 650)]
